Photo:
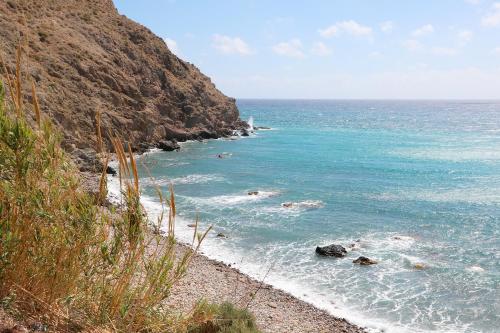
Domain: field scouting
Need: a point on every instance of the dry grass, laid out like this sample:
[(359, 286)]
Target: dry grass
[(63, 259)]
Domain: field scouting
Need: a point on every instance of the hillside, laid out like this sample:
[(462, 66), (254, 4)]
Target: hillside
[(85, 58)]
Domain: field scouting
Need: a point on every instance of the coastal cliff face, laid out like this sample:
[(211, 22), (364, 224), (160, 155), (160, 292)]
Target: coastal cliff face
[(85, 57)]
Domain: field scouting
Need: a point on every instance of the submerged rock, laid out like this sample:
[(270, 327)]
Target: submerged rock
[(419, 266), (221, 235), (364, 261), (253, 193), (331, 251)]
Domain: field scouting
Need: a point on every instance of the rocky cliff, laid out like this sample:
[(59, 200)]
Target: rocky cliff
[(86, 58)]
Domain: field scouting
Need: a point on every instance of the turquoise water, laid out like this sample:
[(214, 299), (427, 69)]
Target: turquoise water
[(412, 182)]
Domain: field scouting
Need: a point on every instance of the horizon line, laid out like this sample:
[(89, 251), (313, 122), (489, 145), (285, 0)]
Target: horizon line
[(371, 99)]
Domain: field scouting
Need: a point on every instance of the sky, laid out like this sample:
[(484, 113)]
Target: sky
[(334, 49)]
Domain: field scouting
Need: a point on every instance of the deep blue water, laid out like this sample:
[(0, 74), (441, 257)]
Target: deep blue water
[(415, 183)]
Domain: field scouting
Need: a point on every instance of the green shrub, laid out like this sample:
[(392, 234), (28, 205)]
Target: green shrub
[(224, 318)]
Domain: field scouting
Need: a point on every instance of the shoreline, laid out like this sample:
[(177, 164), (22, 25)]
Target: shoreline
[(275, 310)]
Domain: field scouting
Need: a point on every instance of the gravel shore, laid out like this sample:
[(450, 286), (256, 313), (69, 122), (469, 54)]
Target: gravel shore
[(275, 310)]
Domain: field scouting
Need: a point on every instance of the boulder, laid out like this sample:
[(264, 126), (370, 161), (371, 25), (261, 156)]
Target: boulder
[(168, 145), (253, 193), (221, 235), (111, 171), (364, 261), (331, 251)]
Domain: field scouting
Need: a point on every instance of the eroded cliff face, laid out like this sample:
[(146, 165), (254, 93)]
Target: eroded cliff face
[(86, 58)]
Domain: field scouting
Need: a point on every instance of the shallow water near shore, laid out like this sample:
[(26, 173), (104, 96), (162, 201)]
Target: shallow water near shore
[(413, 185)]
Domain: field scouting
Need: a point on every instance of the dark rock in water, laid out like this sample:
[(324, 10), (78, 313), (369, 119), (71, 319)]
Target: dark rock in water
[(168, 145), (111, 171), (364, 261), (244, 132), (192, 225), (331, 251), (205, 134), (287, 204), (143, 147), (253, 193), (221, 235), (261, 128)]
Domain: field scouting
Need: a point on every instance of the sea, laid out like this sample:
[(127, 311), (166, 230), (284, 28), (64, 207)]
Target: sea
[(414, 185)]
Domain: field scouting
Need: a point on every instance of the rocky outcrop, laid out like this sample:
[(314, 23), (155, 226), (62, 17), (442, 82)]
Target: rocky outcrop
[(85, 58), (331, 251), (168, 145)]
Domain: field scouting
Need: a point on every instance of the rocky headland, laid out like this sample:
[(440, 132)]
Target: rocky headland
[(85, 58)]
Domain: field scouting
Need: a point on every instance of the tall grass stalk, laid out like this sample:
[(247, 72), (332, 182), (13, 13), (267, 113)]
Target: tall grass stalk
[(62, 257)]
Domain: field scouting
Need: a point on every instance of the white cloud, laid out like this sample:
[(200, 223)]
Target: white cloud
[(230, 45), (423, 30), (320, 49), (331, 31), (172, 45), (386, 26), (349, 27), (354, 28), (493, 18), (465, 36), (412, 45), (292, 48), (444, 51)]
